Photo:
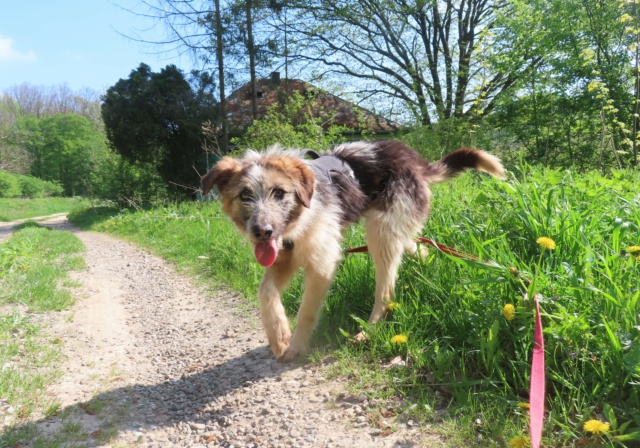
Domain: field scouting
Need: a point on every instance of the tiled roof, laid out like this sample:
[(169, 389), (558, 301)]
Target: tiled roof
[(324, 105)]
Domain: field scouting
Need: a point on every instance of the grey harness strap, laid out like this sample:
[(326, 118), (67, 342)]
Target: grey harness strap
[(326, 165)]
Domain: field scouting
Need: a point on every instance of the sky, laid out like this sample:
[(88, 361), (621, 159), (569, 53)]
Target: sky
[(76, 42)]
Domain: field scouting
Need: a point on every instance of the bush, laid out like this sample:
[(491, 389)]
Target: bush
[(127, 183), (9, 185), (52, 188), (31, 187)]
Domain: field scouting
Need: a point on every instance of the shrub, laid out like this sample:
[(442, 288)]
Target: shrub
[(9, 185), (31, 187), (52, 188)]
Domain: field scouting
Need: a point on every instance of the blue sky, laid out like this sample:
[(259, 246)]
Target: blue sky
[(77, 42)]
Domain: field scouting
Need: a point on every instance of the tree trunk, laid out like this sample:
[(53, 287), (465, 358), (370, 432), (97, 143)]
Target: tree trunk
[(224, 143), (252, 61)]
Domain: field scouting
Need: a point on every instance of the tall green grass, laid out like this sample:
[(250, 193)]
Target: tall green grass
[(459, 345)]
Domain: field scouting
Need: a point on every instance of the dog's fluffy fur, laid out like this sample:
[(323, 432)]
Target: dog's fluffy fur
[(301, 208)]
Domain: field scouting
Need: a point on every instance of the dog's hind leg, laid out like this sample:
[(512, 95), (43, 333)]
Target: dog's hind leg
[(274, 319), (386, 249), (388, 237)]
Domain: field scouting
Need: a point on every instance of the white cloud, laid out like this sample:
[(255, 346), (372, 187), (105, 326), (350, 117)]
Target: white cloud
[(8, 53)]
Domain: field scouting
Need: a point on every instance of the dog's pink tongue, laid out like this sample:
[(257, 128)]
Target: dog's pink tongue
[(266, 253)]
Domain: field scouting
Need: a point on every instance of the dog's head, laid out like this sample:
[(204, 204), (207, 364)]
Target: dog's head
[(263, 194)]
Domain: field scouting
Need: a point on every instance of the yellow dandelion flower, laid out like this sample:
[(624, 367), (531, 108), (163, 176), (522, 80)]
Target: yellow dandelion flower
[(393, 306), (524, 405), (509, 311), (399, 339), (520, 442), (596, 426), (634, 251), (546, 243)]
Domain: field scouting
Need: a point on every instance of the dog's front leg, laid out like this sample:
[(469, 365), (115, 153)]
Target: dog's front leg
[(317, 280), (274, 319)]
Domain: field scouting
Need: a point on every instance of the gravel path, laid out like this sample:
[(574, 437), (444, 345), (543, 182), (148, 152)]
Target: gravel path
[(151, 360)]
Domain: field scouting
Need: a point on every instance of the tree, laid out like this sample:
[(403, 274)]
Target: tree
[(222, 36), (426, 54), (578, 106), (156, 118), (63, 148)]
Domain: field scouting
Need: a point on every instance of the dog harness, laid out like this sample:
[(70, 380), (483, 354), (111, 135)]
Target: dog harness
[(324, 166)]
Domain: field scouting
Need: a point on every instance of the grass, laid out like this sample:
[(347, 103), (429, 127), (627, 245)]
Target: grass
[(32, 264), (466, 365), (12, 209)]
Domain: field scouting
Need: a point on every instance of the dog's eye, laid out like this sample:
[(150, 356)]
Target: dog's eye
[(278, 193), (246, 196)]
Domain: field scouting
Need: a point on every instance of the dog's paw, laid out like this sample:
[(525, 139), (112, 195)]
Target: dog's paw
[(280, 346), (291, 353)]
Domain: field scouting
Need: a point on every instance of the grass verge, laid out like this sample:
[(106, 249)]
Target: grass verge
[(33, 265), (457, 344), (12, 209)]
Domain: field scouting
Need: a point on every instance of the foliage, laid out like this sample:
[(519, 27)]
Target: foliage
[(128, 183), (9, 185), (292, 125), (63, 149), (154, 119), (459, 345), (578, 105)]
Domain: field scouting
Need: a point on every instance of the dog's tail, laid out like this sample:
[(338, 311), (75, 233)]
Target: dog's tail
[(464, 159)]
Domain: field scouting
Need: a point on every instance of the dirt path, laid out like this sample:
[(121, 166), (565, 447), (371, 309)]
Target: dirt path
[(153, 361), (6, 228)]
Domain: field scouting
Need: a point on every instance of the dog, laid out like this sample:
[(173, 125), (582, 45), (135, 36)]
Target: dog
[(294, 210)]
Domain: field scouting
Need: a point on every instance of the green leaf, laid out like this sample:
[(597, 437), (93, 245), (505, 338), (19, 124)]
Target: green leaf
[(607, 410)]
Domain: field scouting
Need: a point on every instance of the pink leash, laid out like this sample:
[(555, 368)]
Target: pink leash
[(537, 385)]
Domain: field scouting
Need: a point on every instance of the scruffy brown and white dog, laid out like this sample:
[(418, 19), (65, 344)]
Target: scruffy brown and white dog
[(294, 211)]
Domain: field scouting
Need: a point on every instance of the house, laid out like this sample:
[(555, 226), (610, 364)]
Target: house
[(325, 105)]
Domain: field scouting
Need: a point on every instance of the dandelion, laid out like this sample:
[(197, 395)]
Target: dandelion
[(509, 311), (393, 306), (520, 442), (399, 339), (546, 243), (596, 426), (523, 405), (634, 251)]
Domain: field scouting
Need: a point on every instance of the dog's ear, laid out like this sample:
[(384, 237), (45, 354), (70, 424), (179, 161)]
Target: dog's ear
[(220, 175), (304, 181)]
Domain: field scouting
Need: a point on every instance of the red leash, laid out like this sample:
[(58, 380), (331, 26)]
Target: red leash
[(441, 247), (537, 384)]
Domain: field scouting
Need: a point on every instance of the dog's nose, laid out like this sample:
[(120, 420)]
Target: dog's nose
[(263, 232)]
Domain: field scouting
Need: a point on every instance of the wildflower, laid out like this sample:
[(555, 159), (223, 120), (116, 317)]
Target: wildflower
[(514, 271), (634, 251), (520, 442), (523, 405), (399, 339), (393, 306), (546, 243), (596, 426), (509, 311)]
